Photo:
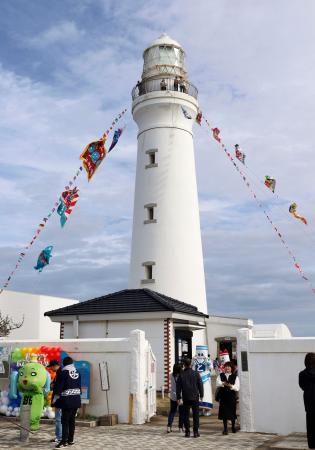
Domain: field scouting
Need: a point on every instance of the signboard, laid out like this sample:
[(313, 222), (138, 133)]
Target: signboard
[(84, 368), (244, 361), (104, 376), (4, 362)]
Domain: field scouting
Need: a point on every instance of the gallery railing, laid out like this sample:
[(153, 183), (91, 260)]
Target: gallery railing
[(163, 84)]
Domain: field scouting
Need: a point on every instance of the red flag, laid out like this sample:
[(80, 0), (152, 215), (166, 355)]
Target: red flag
[(216, 132)]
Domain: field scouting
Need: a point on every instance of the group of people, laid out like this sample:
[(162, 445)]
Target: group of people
[(187, 392), (179, 84), (66, 398)]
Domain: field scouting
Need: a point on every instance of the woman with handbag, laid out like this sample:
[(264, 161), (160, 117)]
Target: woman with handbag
[(227, 386)]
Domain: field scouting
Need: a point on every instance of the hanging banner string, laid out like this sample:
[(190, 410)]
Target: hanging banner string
[(297, 266), (56, 207)]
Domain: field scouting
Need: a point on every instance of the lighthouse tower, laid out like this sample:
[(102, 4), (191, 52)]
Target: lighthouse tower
[(166, 251)]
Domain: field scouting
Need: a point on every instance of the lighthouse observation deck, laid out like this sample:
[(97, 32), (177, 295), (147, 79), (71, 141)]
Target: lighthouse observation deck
[(163, 84)]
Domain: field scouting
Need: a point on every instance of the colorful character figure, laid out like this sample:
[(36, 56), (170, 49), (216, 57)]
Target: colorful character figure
[(44, 258), (239, 154), (216, 133), (223, 358), (199, 117), (202, 363), (270, 182), (293, 211), (67, 202), (32, 381)]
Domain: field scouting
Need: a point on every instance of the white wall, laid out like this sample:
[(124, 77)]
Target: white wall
[(154, 331), (126, 363), (33, 307), (270, 398), (174, 241)]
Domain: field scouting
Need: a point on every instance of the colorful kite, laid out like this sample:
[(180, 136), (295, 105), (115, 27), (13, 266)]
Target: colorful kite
[(216, 132), (239, 155), (43, 258), (186, 113), (270, 183), (68, 200), (292, 210), (199, 117), (116, 137), (93, 155)]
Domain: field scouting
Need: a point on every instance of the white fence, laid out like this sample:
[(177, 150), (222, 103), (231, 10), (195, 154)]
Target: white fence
[(131, 367)]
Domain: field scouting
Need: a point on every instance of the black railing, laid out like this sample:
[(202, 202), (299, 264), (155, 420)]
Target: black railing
[(164, 84)]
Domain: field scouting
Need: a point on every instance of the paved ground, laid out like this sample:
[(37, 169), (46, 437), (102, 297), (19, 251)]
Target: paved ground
[(144, 437)]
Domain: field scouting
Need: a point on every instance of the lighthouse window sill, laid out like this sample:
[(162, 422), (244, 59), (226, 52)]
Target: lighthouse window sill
[(149, 166), (149, 221), (152, 280)]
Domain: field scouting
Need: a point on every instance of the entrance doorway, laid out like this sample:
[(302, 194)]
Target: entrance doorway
[(183, 348), (227, 343)]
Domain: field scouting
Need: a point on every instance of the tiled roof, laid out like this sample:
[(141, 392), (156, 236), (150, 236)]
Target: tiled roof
[(127, 301)]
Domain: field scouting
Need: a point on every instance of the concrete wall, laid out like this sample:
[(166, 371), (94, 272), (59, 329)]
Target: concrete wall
[(126, 358), (178, 270), (270, 398), (154, 331), (32, 307)]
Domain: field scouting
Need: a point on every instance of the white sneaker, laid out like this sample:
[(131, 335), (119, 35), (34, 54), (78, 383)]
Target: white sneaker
[(181, 430), (169, 429)]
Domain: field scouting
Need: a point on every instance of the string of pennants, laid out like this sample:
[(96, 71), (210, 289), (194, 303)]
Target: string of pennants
[(215, 132), (269, 182), (92, 156)]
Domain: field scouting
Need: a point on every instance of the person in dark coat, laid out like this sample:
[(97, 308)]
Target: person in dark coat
[(189, 388), (307, 384), (228, 384), (67, 397)]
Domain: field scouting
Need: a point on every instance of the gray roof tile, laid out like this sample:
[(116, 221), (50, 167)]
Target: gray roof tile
[(127, 301)]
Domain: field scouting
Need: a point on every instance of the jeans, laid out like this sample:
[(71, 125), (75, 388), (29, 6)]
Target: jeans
[(58, 426), (68, 424), (171, 415), (194, 405)]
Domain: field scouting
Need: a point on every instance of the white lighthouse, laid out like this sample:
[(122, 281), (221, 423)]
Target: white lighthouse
[(166, 252)]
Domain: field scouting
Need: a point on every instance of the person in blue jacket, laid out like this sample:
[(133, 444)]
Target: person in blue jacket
[(67, 397)]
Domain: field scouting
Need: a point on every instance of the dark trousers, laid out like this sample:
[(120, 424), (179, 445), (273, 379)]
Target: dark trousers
[(310, 428), (194, 405), (225, 424), (171, 414), (68, 424)]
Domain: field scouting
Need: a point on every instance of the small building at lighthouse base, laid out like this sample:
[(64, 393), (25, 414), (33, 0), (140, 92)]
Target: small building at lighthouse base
[(172, 327)]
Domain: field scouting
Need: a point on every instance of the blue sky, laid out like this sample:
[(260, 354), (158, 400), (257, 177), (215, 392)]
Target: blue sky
[(67, 67)]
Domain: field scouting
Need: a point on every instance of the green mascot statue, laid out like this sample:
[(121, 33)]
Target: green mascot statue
[(32, 381)]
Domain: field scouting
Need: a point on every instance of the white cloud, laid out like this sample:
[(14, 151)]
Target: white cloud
[(64, 32)]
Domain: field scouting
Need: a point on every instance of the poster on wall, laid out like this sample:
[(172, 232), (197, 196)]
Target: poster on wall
[(4, 362), (84, 368)]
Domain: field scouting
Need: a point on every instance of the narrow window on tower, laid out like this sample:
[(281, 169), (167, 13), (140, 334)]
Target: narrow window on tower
[(148, 272), (149, 213), (151, 159)]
